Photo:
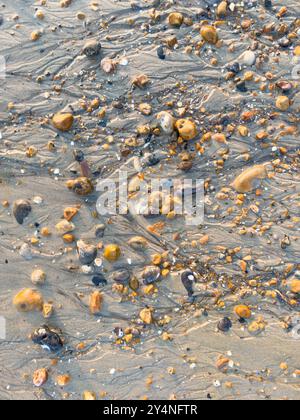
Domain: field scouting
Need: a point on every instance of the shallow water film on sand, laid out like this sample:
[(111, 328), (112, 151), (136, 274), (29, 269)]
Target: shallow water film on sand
[(110, 289)]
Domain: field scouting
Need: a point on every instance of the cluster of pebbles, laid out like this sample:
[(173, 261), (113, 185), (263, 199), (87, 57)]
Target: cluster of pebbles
[(206, 92)]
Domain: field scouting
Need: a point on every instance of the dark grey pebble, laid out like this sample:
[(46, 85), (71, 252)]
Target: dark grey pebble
[(241, 86), (121, 276), (21, 210), (48, 339), (161, 53), (99, 231), (92, 48), (151, 274), (225, 325), (87, 253), (99, 280), (188, 279)]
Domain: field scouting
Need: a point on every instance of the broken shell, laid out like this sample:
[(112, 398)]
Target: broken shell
[(91, 48), (283, 103), (175, 19), (151, 274), (243, 311), (146, 315), (186, 128), (81, 186), (28, 300), (95, 304), (138, 243), (89, 396), (112, 252), (64, 227), (21, 210), (40, 377), (47, 338), (121, 276), (166, 122), (209, 34), (38, 277), (243, 183), (87, 253), (70, 213), (63, 121), (48, 310)]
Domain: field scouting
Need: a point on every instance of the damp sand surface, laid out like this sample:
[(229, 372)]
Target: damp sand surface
[(245, 252)]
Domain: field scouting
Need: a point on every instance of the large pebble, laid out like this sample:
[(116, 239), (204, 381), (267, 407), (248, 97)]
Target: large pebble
[(248, 58), (92, 48), (21, 210), (28, 300), (121, 276), (63, 121), (47, 338), (64, 227), (81, 186), (87, 253), (151, 274), (244, 182), (38, 277)]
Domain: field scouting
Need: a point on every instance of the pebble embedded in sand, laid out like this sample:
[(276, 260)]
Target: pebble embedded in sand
[(40, 377), (70, 213), (141, 80), (39, 14), (225, 325), (151, 274), (63, 121), (248, 58), (89, 396), (64, 227), (243, 311), (166, 122), (145, 109), (295, 286), (138, 243), (108, 65), (28, 300), (81, 186), (95, 304), (112, 252), (222, 9), (146, 315), (187, 129), (244, 182), (87, 253), (283, 103), (209, 34), (121, 276), (175, 19), (38, 277), (63, 380), (21, 210), (47, 338), (91, 48), (35, 35), (297, 51)]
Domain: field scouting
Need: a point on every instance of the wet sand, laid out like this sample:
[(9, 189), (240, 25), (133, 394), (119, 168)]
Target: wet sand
[(252, 249)]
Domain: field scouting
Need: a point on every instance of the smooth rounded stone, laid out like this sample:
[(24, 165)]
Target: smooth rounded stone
[(99, 231), (112, 252), (121, 276), (99, 280), (40, 377), (138, 243), (234, 68), (91, 48), (188, 279), (38, 277), (284, 42), (241, 86), (21, 210), (64, 227), (245, 181), (175, 19), (26, 252), (1, 20), (187, 129), (284, 85), (222, 9), (87, 253), (28, 300), (151, 274), (47, 338), (161, 53), (146, 315), (63, 121), (166, 122), (243, 311), (283, 103), (209, 34), (225, 325), (81, 186), (248, 58), (294, 286)]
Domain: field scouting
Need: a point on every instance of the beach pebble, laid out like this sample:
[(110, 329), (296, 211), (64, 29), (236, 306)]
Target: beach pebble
[(99, 280), (63, 380), (64, 227), (146, 315), (138, 243), (145, 109), (225, 325), (108, 65), (175, 19), (87, 253), (26, 252), (121, 276), (38, 277), (91, 48), (63, 121), (188, 280), (21, 210), (89, 396), (95, 303), (47, 338), (40, 377), (28, 300), (99, 231), (295, 286), (81, 186), (283, 103), (222, 9), (243, 311), (166, 122), (244, 182), (209, 34), (70, 213), (248, 58), (151, 274), (187, 129), (112, 252)]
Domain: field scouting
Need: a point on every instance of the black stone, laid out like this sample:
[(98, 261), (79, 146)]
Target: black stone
[(234, 68), (161, 53), (241, 86), (79, 156), (224, 325), (99, 280), (268, 4), (48, 339), (188, 279)]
